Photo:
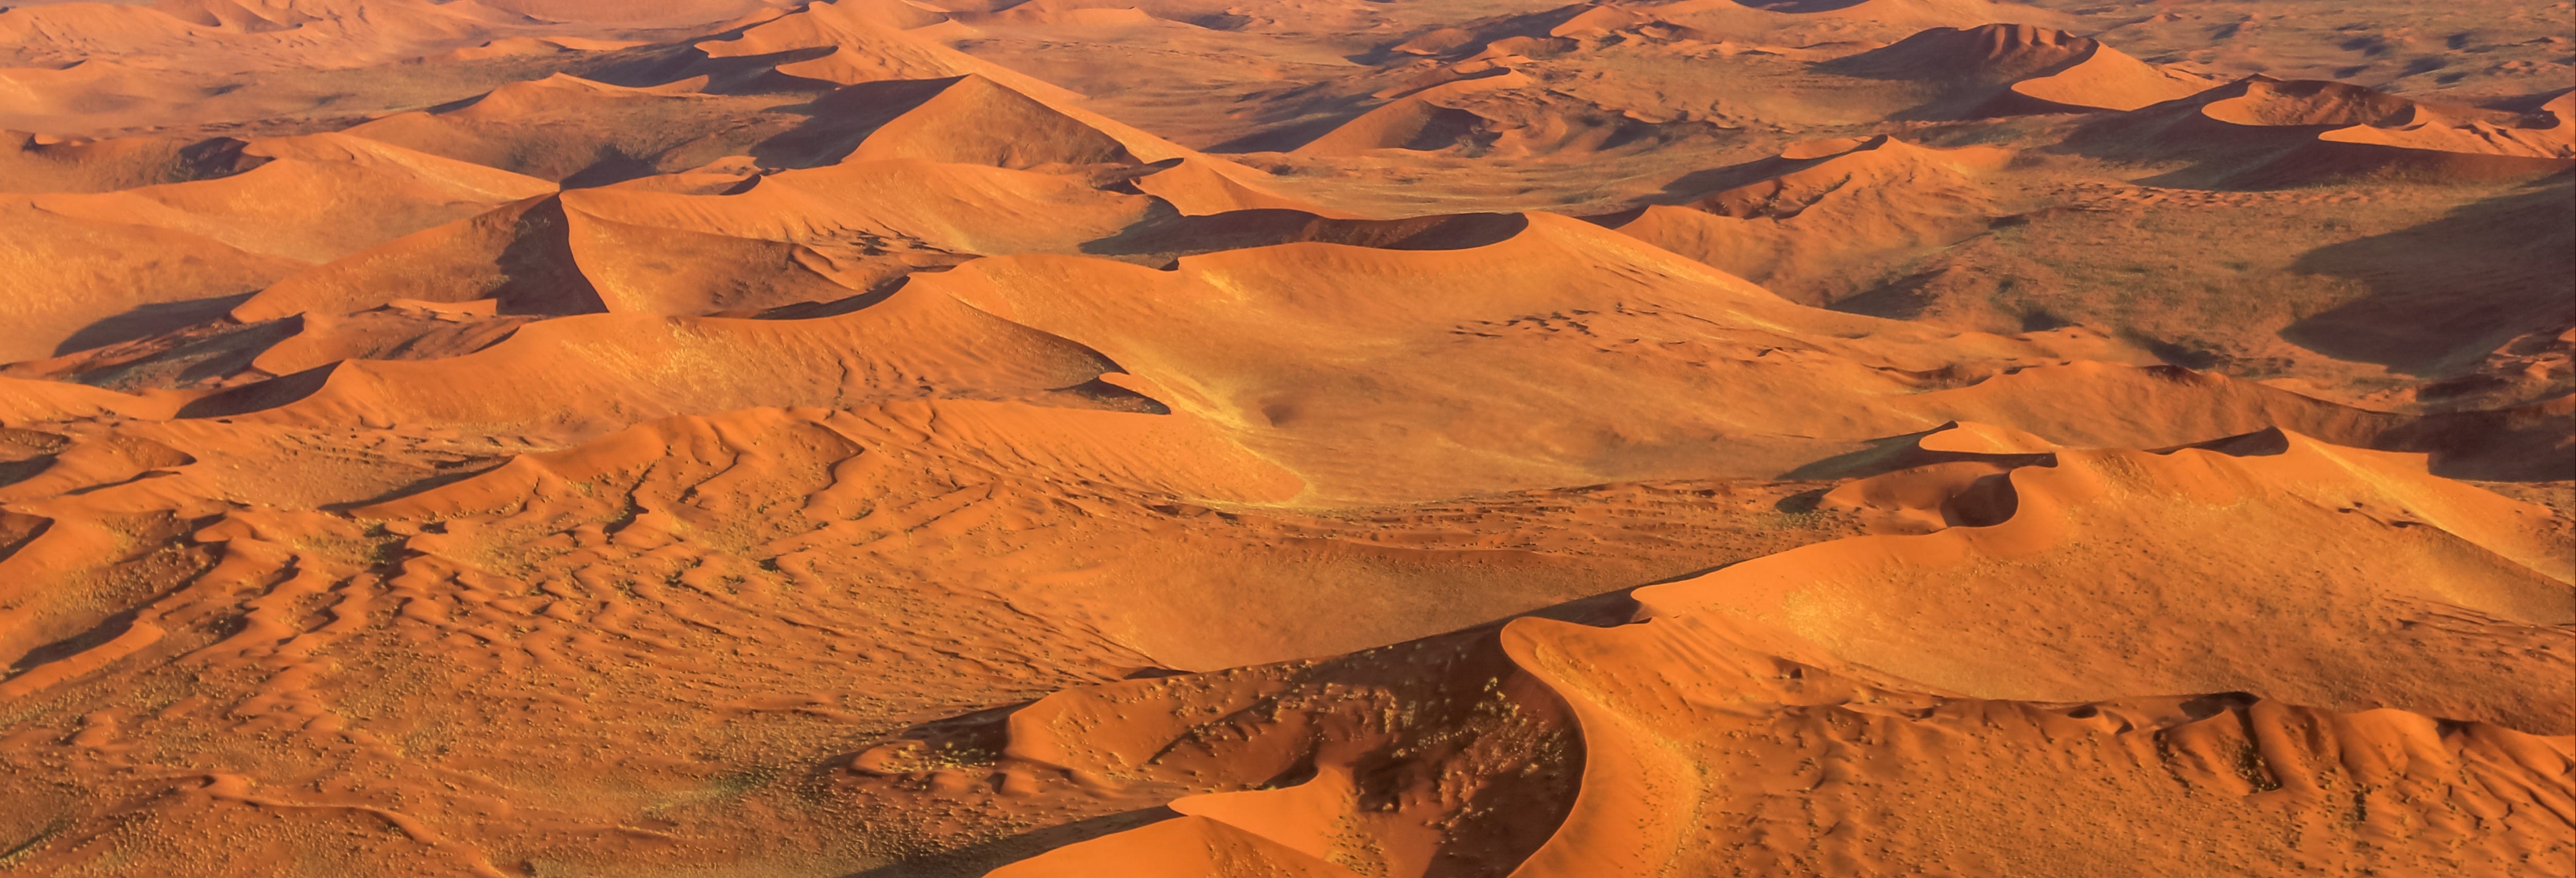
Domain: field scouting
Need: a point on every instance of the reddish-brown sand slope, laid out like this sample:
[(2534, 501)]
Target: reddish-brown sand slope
[(318, 197), (1238, 337), (819, 234), (568, 128), (60, 290), (118, 66), (2004, 69), (1758, 23), (1317, 438), (609, 370), (1743, 728), (1790, 221), (37, 163), (188, 246), (1198, 188), (2267, 132)]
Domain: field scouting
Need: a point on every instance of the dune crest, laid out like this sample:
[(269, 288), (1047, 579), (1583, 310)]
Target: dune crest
[(1785, 219), (1652, 771), (2263, 132), (2021, 68)]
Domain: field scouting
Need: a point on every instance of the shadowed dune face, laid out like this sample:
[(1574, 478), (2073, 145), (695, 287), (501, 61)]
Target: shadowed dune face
[(2010, 69), (1317, 438)]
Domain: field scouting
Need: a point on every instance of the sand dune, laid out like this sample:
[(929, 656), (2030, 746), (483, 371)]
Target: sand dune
[(1319, 438), (1498, 112), (1199, 188), (1722, 377), (2029, 514), (32, 402), (839, 43), (698, 365), (42, 164), (2004, 69), (1675, 748), (317, 177), (1790, 220), (2264, 132), (1777, 686), (1417, 121), (818, 235), (665, 12), (1716, 20), (60, 291), (216, 239), (573, 130), (254, 31), (964, 122)]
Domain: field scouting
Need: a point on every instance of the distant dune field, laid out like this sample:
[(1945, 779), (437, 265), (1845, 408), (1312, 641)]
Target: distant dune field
[(1287, 439)]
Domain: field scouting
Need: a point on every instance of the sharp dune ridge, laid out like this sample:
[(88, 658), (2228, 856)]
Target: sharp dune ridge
[(1318, 438)]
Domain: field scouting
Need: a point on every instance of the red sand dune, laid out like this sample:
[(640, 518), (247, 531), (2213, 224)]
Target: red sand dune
[(1786, 219), (1688, 722), (2269, 132), (2026, 69), (813, 235), (1318, 438), (37, 163)]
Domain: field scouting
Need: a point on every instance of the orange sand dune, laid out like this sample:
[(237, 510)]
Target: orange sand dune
[(2264, 132), (837, 43), (1789, 220), (2425, 129), (1704, 766), (1295, 757), (2024, 69), (402, 330), (219, 238), (979, 121), (33, 163), (41, 401), (61, 96), (1413, 327), (1418, 121), (1520, 86), (266, 30), (1717, 20), (957, 124), (511, 47), (1198, 188), (664, 12), (954, 119), (305, 203), (1314, 438), (911, 345), (58, 291), (1480, 37), (565, 128), (812, 235), (1182, 847), (2501, 568), (1066, 14), (85, 67), (1688, 723), (1237, 229)]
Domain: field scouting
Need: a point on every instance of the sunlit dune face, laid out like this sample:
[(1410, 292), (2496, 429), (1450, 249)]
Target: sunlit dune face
[(1315, 438)]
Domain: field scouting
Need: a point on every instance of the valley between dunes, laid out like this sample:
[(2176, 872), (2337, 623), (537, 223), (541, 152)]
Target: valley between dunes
[(1287, 438)]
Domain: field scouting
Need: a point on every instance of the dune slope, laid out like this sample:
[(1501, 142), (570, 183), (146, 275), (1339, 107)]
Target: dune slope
[(1303, 439)]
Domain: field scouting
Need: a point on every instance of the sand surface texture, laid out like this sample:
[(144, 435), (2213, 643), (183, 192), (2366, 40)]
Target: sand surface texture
[(1287, 438)]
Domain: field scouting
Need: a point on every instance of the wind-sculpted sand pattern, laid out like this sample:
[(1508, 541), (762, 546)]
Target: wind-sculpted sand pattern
[(1295, 439)]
